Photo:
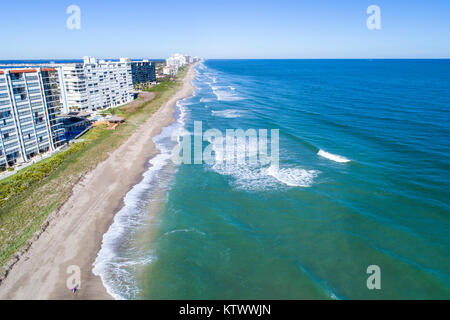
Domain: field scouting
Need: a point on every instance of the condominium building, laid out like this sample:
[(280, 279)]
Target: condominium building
[(170, 71), (97, 84), (74, 94), (189, 59), (143, 71), (29, 109), (177, 60)]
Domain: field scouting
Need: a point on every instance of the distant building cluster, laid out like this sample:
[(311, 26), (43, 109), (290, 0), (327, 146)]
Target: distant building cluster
[(177, 61), (44, 106)]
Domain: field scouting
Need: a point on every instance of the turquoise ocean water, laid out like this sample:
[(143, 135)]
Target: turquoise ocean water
[(363, 180)]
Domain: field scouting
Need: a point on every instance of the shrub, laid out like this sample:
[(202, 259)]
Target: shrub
[(24, 179)]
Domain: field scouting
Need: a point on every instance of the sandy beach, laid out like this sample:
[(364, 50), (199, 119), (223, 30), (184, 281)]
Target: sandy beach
[(74, 236)]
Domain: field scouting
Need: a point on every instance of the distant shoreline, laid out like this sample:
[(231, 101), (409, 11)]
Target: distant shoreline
[(74, 238)]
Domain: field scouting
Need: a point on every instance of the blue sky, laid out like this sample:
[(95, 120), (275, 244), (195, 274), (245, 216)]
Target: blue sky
[(225, 29)]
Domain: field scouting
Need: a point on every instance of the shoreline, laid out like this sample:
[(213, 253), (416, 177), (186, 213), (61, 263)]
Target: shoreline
[(75, 235)]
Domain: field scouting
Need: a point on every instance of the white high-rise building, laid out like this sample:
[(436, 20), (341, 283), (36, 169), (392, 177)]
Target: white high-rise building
[(29, 109), (170, 70), (75, 94), (94, 84), (177, 60)]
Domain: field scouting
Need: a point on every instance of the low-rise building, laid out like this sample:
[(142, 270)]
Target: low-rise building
[(75, 123)]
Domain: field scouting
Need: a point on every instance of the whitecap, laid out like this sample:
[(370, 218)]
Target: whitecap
[(293, 177), (184, 230), (229, 113), (225, 94), (333, 157), (251, 175)]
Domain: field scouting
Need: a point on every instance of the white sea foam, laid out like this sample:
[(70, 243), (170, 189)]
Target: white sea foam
[(225, 94), (333, 157), (201, 66), (211, 77), (229, 113), (115, 265), (184, 230), (111, 264), (250, 176), (293, 177), (253, 177)]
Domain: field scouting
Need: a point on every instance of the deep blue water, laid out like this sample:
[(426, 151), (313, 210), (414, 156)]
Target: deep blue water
[(363, 180)]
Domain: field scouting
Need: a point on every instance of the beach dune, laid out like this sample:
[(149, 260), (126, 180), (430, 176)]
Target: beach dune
[(74, 237)]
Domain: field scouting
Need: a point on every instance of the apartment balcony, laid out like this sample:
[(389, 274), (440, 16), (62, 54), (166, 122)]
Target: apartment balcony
[(5, 109), (17, 83), (25, 118), (9, 139), (42, 137), (39, 109), (43, 143), (7, 125), (28, 131), (20, 97), (41, 127), (11, 147), (33, 84), (30, 146)]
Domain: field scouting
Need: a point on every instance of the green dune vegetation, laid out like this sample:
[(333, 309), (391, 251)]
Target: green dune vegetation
[(28, 197)]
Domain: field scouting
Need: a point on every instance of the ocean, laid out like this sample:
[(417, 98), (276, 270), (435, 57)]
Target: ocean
[(363, 180)]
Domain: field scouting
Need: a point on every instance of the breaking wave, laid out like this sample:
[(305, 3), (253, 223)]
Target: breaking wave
[(229, 113), (116, 265), (333, 157)]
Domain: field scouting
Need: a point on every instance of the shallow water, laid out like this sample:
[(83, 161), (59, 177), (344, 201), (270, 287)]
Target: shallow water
[(363, 180)]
